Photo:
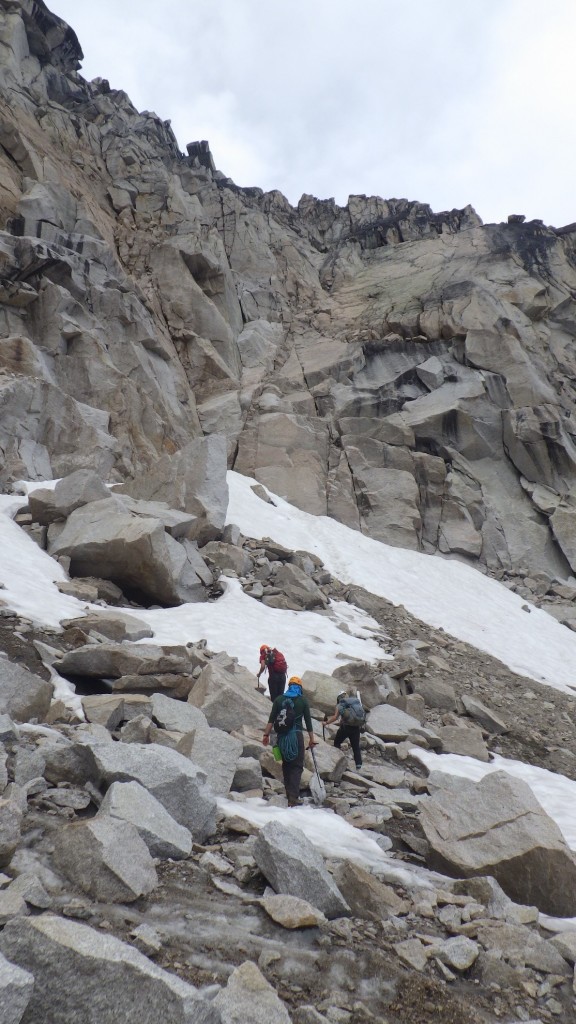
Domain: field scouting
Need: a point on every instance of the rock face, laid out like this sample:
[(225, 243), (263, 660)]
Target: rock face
[(497, 827), (409, 373)]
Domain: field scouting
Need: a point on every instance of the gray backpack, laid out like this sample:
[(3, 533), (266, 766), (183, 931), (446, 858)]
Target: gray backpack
[(351, 711)]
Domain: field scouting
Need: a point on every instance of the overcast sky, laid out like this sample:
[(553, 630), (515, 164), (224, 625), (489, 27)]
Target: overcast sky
[(447, 102)]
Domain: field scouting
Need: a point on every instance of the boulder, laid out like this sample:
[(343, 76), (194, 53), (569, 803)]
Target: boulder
[(177, 784), (248, 775), (104, 539), (331, 762), (300, 591), (164, 837), (77, 489), (217, 754), (229, 700), (249, 997), (227, 558), (497, 827), (177, 715), (487, 718), (15, 991), (116, 626), (193, 480), (24, 696), (322, 690), (106, 858), (391, 724), (110, 661), (367, 897), (292, 865), (76, 967), (292, 912), (461, 739)]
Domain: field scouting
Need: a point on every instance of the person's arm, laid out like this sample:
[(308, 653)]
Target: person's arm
[(312, 741), (334, 718), (268, 729), (262, 667)]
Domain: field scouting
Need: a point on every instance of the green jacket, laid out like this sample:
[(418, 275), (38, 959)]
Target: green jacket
[(301, 711)]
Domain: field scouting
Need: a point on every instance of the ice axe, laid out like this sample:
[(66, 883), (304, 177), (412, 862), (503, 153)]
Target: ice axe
[(317, 787)]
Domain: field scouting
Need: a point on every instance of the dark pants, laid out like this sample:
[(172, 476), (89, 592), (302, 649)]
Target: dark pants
[(276, 683), (352, 733), (292, 772)]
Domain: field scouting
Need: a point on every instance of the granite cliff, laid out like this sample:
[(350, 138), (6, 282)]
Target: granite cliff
[(408, 373)]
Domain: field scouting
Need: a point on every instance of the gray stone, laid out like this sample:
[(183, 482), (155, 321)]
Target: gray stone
[(390, 723), (565, 943), (193, 480), (292, 865), (487, 718), (106, 858), (9, 731), (248, 775), (458, 952), (249, 997), (229, 700), (367, 896), (217, 754), (177, 715), (463, 740), (10, 827), (497, 827), (110, 661), (292, 912), (117, 626), (15, 991), (176, 783), (118, 982), (104, 539), (164, 837), (227, 558), (23, 695)]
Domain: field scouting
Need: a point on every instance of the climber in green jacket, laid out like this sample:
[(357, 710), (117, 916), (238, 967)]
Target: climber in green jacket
[(288, 711)]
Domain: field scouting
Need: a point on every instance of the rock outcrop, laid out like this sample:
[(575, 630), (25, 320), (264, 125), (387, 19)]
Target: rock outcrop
[(409, 373)]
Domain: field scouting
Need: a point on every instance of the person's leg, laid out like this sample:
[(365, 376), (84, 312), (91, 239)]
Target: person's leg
[(276, 684), (354, 737), (292, 773), (340, 736)]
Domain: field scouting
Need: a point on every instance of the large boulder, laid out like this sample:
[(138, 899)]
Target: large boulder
[(292, 865), (106, 858), (81, 974), (23, 695), (110, 661), (389, 723), (217, 754), (322, 690), (177, 784), (229, 700), (163, 836), (104, 539), (193, 480), (497, 827)]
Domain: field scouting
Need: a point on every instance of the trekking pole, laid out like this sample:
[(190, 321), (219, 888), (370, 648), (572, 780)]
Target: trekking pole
[(324, 732)]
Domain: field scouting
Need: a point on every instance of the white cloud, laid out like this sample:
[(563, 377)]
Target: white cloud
[(433, 100)]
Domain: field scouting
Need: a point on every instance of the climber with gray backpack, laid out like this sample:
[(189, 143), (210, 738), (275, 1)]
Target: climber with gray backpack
[(351, 718), (285, 719)]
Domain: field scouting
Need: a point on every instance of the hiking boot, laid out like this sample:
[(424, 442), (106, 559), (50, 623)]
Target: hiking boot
[(294, 803), (358, 767)]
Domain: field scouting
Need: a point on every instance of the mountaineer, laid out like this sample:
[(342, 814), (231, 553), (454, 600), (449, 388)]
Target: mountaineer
[(351, 718), (286, 716), (273, 660)]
